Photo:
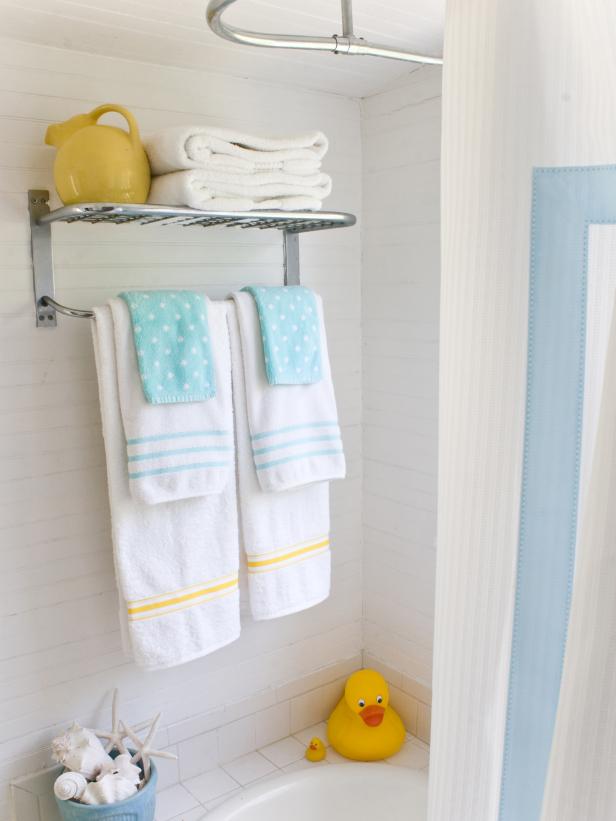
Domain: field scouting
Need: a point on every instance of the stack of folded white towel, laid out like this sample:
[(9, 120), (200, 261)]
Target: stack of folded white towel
[(219, 169)]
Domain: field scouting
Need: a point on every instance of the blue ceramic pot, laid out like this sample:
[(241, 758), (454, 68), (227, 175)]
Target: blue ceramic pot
[(139, 807)]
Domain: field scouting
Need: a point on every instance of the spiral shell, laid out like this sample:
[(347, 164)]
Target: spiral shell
[(70, 785)]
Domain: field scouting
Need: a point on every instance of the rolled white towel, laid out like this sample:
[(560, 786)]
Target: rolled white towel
[(183, 147), (197, 189), (70, 786)]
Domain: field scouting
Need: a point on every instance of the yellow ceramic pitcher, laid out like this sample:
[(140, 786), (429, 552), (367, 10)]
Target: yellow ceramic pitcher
[(99, 163)]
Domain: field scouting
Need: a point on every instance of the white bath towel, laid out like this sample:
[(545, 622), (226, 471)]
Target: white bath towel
[(181, 450), (176, 562), (294, 429), (198, 189), (286, 534), (181, 147)]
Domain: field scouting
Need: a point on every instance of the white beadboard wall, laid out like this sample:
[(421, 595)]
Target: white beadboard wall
[(60, 650), (400, 297)]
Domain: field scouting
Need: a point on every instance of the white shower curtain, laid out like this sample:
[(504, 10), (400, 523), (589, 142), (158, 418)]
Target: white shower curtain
[(526, 514)]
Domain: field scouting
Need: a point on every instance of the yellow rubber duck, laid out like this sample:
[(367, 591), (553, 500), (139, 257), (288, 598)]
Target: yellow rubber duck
[(363, 726), (315, 751)]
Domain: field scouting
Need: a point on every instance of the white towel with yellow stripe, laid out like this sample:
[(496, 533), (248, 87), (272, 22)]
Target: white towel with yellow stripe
[(285, 534), (179, 450), (294, 433), (176, 562)]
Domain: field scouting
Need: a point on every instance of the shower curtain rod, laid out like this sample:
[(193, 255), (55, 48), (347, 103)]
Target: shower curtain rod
[(345, 43)]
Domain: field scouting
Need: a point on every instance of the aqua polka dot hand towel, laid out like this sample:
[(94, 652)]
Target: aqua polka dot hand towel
[(294, 432), (175, 450), (289, 334), (172, 340)]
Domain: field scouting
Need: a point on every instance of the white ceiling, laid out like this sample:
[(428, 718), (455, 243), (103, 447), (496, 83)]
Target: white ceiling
[(175, 33)]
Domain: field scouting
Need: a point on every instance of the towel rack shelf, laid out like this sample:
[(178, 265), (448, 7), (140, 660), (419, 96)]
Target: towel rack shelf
[(291, 223)]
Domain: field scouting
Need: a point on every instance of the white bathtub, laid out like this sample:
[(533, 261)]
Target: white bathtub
[(340, 792)]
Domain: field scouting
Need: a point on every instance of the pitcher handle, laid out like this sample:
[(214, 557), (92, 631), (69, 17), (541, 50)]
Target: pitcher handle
[(133, 128)]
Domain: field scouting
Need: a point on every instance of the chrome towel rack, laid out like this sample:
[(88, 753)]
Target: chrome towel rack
[(291, 223)]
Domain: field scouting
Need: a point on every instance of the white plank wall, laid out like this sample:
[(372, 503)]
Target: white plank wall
[(59, 640), (400, 296)]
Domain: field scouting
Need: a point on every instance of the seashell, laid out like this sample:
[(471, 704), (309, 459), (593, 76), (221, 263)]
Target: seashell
[(123, 766), (108, 790), (80, 751), (69, 785)]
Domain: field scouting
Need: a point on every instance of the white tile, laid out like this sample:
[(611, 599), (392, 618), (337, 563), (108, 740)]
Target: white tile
[(417, 741), (221, 800), (273, 724), (411, 755), (197, 814), (249, 767), (48, 807), (423, 722), (319, 730), (335, 758), (25, 805), (315, 706), (198, 754), (168, 770), (208, 786), (173, 802), (284, 752), (406, 706), (236, 739), (303, 764)]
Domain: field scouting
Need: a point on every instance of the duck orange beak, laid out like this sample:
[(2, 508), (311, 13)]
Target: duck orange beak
[(373, 715)]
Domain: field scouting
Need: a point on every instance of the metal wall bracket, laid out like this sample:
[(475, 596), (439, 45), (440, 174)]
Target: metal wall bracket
[(291, 258), (42, 258)]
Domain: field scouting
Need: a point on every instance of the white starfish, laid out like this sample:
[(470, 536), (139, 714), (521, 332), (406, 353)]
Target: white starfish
[(115, 737), (144, 749)]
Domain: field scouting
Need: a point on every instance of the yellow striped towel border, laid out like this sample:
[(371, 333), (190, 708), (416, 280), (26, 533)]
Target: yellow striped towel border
[(177, 600), (276, 559)]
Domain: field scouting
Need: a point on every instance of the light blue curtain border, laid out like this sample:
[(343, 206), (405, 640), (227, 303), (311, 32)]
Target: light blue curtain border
[(565, 202)]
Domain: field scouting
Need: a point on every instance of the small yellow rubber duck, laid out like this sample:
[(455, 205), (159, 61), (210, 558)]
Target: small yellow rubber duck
[(315, 751), (363, 726)]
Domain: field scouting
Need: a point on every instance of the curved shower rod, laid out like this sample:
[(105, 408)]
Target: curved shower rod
[(345, 43)]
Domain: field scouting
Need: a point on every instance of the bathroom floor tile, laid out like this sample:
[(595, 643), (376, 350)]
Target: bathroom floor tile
[(411, 755), (211, 785), (284, 752), (318, 730), (173, 802), (249, 767)]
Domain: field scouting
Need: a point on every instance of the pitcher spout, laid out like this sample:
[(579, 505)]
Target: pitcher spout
[(59, 133)]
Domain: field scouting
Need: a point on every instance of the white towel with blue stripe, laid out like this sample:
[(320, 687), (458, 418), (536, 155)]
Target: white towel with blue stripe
[(174, 451), (294, 431)]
